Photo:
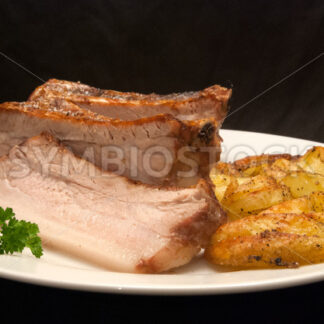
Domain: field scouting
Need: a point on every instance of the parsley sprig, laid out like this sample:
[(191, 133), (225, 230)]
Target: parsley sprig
[(16, 234)]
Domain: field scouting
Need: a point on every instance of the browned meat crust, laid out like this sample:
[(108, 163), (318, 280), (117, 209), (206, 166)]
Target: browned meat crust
[(210, 102)]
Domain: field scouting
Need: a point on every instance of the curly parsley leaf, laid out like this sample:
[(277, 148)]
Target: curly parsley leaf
[(16, 234)]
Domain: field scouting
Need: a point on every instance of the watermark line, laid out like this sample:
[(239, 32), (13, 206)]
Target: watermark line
[(275, 85), (299, 255), (231, 113), (21, 66)]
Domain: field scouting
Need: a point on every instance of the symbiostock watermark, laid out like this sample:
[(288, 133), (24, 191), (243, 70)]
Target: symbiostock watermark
[(155, 162)]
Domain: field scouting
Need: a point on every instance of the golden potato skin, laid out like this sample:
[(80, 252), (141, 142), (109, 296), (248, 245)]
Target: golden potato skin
[(253, 184), (271, 240), (306, 204), (267, 250), (276, 207), (313, 160), (246, 202), (298, 205), (257, 160)]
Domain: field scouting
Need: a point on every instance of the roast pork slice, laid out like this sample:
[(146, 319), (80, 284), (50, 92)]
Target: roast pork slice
[(210, 102), (103, 218), (155, 150)]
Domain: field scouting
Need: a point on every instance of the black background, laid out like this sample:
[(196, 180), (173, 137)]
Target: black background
[(170, 46)]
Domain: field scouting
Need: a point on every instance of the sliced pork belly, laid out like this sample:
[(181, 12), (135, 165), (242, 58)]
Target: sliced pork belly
[(104, 218), (210, 102), (151, 150)]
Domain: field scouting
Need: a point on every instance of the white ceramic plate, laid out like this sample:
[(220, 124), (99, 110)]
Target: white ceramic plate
[(198, 277)]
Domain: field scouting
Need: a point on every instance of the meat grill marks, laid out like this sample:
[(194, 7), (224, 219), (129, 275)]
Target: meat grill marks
[(211, 102), (92, 136), (104, 218)]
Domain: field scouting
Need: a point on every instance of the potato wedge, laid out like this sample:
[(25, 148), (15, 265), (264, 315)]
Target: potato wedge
[(307, 204), (271, 240), (281, 200), (280, 168), (225, 168), (221, 182), (259, 193), (298, 205), (255, 170), (285, 165), (257, 160), (225, 178), (272, 250), (302, 224), (313, 160), (302, 183)]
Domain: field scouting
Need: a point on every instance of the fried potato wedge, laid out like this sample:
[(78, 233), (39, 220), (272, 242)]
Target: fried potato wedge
[(259, 193), (298, 205), (302, 183), (276, 207), (221, 182), (258, 160), (312, 203), (313, 160), (256, 183), (280, 168), (268, 251), (271, 240), (226, 179), (225, 168)]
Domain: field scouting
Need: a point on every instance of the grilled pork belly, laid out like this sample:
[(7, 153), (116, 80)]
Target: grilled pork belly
[(155, 150), (210, 102), (104, 218)]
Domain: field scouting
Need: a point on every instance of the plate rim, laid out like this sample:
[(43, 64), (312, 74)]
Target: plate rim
[(159, 290)]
